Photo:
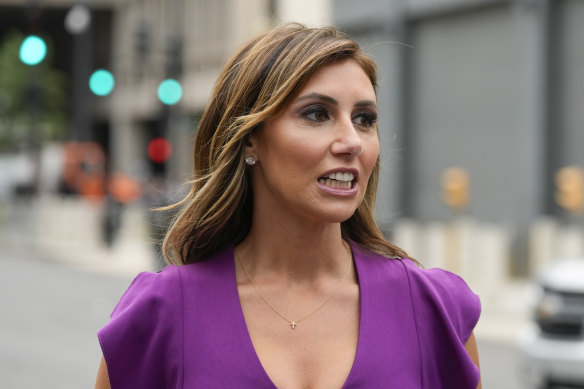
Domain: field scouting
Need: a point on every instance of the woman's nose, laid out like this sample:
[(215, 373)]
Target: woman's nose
[(347, 141)]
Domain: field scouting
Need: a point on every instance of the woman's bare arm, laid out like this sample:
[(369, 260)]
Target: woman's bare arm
[(473, 352), (102, 381)]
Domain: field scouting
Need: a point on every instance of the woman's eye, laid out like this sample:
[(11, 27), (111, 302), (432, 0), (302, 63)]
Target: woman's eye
[(365, 119), (316, 114)]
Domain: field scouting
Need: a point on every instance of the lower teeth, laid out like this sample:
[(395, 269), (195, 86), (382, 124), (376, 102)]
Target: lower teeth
[(335, 183)]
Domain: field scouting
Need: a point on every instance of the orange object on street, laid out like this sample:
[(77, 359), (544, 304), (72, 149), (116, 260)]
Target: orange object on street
[(124, 188)]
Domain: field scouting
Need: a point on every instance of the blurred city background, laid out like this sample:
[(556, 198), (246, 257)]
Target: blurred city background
[(481, 126)]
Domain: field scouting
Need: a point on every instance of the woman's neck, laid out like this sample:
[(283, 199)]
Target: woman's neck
[(291, 253)]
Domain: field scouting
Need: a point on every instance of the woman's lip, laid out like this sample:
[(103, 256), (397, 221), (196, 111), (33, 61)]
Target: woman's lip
[(344, 192)]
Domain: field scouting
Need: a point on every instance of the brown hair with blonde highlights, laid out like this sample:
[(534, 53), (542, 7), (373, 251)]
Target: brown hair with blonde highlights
[(259, 80)]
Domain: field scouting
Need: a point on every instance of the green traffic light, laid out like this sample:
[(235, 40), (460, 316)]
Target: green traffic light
[(169, 91), (33, 50), (101, 82)]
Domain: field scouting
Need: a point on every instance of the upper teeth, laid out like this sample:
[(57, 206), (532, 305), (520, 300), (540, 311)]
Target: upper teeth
[(341, 176)]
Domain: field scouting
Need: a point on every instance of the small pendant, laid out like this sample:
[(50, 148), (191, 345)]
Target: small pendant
[(292, 324)]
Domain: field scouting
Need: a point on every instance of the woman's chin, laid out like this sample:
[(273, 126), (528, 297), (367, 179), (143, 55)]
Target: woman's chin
[(333, 216)]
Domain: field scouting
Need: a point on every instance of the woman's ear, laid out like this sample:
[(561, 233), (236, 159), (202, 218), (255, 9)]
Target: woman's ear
[(248, 140), (250, 145)]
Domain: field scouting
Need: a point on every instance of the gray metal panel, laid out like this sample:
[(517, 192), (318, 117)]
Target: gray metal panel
[(463, 112), (571, 82), (362, 14)]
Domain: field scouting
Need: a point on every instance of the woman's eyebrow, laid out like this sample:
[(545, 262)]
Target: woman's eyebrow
[(320, 96), (366, 103)]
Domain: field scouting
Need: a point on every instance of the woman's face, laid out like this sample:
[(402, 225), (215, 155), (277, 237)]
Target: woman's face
[(314, 159)]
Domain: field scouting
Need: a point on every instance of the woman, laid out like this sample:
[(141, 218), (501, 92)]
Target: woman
[(286, 281)]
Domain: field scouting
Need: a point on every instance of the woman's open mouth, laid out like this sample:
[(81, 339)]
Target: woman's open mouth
[(340, 180)]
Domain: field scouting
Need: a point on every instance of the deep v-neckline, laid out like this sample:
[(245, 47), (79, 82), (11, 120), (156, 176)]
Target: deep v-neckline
[(245, 336)]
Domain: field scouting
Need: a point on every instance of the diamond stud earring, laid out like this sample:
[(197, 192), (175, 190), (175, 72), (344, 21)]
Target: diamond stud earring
[(250, 161)]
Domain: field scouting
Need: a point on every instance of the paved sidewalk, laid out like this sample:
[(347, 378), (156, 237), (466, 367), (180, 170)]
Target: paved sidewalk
[(126, 259), (70, 231)]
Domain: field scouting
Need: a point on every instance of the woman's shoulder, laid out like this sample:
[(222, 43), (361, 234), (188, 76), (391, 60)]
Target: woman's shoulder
[(432, 291), (143, 330), (445, 294), (158, 282), (439, 283), (143, 339), (446, 311), (436, 281), (434, 278), (440, 307), (168, 282), (148, 297)]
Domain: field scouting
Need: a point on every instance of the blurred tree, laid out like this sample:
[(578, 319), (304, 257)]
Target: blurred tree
[(17, 91)]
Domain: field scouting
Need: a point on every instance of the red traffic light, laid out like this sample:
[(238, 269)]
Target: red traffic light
[(159, 150)]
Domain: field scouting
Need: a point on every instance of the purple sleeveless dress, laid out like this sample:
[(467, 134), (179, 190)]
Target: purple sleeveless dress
[(184, 328)]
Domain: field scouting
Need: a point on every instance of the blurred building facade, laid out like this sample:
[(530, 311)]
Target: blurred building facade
[(491, 88)]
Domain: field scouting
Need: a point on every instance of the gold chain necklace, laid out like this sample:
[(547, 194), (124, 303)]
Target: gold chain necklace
[(294, 323)]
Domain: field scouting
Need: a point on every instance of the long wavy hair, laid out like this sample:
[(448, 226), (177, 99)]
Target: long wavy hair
[(257, 82)]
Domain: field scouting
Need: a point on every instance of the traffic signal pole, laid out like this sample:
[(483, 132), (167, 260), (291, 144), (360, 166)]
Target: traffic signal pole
[(169, 94), (32, 56), (81, 101)]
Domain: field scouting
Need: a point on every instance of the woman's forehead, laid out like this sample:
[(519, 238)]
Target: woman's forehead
[(338, 78)]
